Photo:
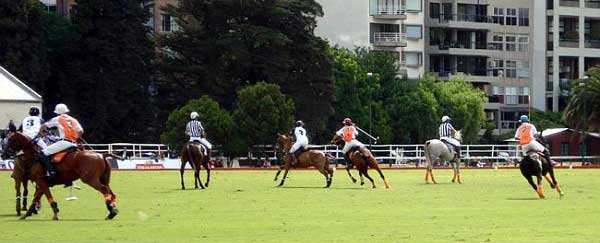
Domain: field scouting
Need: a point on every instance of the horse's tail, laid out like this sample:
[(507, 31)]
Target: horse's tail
[(427, 152), (191, 155)]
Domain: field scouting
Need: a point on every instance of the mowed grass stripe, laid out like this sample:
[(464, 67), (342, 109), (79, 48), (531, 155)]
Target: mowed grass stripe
[(245, 206)]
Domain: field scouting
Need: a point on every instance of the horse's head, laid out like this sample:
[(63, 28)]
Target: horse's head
[(284, 141), (16, 142), (458, 135), (337, 140)]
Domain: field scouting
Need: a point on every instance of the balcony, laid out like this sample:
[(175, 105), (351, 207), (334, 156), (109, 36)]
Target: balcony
[(387, 12), (592, 4), (465, 21), (391, 39), (569, 3), (592, 43)]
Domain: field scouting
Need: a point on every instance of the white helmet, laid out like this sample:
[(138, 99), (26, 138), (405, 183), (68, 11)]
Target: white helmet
[(193, 115), (61, 109), (445, 118)]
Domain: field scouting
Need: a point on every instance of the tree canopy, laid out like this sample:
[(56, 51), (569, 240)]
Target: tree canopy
[(583, 109)]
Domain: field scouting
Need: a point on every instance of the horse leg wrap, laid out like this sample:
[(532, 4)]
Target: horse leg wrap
[(540, 191), (107, 197), (458, 177), (54, 206), (18, 205), (25, 203)]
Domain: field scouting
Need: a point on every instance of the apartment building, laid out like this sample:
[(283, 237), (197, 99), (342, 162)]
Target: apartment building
[(488, 44), (570, 44), (394, 26)]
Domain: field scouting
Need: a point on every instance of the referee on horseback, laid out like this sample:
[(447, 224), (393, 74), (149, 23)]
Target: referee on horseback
[(196, 132)]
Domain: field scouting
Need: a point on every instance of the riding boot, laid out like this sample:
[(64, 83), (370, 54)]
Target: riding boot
[(294, 160), (547, 157), (457, 156), (347, 160), (45, 161)]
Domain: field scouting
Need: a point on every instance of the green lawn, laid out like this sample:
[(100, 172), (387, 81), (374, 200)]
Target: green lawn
[(245, 206)]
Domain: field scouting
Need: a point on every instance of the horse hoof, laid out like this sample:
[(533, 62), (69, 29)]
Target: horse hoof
[(112, 214), (23, 217), (452, 181), (206, 185), (54, 218), (24, 208), (353, 180)]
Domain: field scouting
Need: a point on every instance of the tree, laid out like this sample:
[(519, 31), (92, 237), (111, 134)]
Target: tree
[(222, 46), (356, 92), (583, 110), (464, 104), (415, 112), (22, 51), (217, 122), (548, 119), (109, 71), (261, 112)]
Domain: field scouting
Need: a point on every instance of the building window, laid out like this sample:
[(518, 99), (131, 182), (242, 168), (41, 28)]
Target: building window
[(413, 5), (498, 17), (523, 43), (511, 43), (511, 69), (434, 10), (564, 149), (524, 96), (523, 17), (497, 43), (523, 69), (413, 31), (511, 16), (510, 96), (412, 59), (582, 149), (497, 68), (166, 23)]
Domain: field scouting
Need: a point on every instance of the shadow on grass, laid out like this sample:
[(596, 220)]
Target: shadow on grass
[(8, 215), (321, 187), (523, 199)]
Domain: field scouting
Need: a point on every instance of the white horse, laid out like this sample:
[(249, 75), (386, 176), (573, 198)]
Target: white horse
[(436, 149)]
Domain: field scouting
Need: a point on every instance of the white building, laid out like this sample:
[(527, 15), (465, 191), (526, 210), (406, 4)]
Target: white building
[(15, 99), (384, 25), (567, 46)]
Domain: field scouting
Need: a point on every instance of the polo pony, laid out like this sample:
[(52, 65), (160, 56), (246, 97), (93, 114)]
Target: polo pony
[(436, 149), (363, 159), (91, 167), (308, 158), (193, 153), (20, 178), (530, 167)]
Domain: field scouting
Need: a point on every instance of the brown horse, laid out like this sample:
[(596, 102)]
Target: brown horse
[(20, 177), (530, 167), (193, 153), (363, 159), (306, 159), (92, 168)]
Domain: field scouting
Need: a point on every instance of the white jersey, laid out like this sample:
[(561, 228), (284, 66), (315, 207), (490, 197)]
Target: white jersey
[(31, 126), (300, 134)]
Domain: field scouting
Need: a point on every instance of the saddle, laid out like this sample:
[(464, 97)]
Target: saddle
[(58, 157), (449, 146)]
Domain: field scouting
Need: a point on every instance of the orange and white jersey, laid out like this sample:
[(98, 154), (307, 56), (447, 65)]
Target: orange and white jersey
[(68, 127), (525, 133), (348, 133)]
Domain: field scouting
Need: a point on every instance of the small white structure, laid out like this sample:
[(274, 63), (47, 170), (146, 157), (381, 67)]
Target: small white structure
[(15, 99)]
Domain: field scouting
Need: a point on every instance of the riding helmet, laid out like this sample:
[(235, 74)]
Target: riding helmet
[(299, 123), (34, 111), (524, 118), (347, 121)]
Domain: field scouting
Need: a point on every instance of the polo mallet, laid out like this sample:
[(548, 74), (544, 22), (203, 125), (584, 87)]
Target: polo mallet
[(368, 135)]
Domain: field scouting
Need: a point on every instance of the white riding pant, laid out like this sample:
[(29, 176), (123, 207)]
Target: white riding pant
[(58, 147), (203, 141), (532, 146), (450, 140), (40, 142), (352, 144), (300, 143)]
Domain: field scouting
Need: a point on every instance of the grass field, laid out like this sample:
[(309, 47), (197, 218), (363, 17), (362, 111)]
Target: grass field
[(245, 206)]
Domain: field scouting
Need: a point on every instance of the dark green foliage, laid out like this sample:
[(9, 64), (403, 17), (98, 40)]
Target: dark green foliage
[(109, 71), (218, 124), (261, 112), (583, 109), (22, 49), (223, 46), (545, 120)]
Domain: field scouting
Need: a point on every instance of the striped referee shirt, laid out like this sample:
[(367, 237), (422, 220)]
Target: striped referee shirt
[(446, 130), (194, 128)]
